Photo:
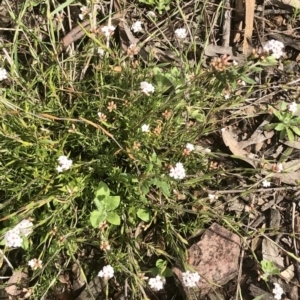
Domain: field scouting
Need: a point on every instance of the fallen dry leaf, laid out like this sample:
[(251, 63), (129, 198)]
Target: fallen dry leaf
[(17, 285), (236, 148)]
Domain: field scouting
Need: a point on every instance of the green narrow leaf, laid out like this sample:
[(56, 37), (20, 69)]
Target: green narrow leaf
[(280, 127), (111, 202), (290, 134), (295, 129), (97, 217), (102, 191), (144, 214), (278, 115), (270, 126), (113, 218)]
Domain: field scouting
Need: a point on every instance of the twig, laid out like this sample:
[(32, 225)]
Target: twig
[(109, 21)]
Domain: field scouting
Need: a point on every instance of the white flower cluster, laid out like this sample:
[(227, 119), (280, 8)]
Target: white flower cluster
[(266, 183), (137, 27), (107, 272), (190, 279), (147, 88), (275, 47), (181, 33), (13, 237), (178, 172), (277, 291), (293, 107), (35, 263), (190, 147), (64, 164), (108, 30), (156, 283), (3, 74)]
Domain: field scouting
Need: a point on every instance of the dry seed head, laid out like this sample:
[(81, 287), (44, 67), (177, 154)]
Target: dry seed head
[(220, 63)]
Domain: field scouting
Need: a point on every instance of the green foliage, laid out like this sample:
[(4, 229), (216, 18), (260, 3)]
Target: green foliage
[(160, 5), (288, 123), (161, 269), (269, 269), (106, 205)]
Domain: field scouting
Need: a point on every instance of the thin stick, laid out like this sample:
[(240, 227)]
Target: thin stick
[(109, 21)]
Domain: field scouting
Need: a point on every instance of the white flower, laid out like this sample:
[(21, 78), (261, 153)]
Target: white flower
[(108, 30), (84, 11), (293, 107), (12, 239), (235, 63), (35, 263), (227, 96), (156, 283), (145, 128), (207, 150), (181, 33), (101, 52), (277, 291), (275, 47), (266, 183), (190, 279), (178, 172), (107, 272), (24, 227), (151, 14), (212, 197), (147, 88), (3, 74), (190, 147), (137, 27), (64, 163)]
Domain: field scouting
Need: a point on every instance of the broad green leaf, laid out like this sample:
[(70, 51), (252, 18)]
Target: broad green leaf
[(282, 134), (163, 186), (144, 214), (97, 217), (296, 129), (167, 272), (99, 204), (113, 218), (283, 105), (111, 202), (160, 264), (290, 134), (278, 115), (280, 127), (102, 191), (248, 80)]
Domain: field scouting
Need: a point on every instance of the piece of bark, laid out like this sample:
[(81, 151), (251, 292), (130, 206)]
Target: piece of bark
[(255, 292)]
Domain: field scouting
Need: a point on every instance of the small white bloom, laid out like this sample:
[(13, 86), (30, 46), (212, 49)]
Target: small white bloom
[(266, 183), (190, 147), (190, 279), (156, 283), (223, 129), (275, 47), (207, 150), (293, 107), (3, 74), (35, 263), (147, 88), (212, 197), (181, 33), (178, 172), (108, 30), (101, 52), (107, 272), (145, 128), (137, 27), (277, 291), (24, 227), (13, 239), (84, 11), (235, 63), (151, 14), (227, 96), (64, 163)]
